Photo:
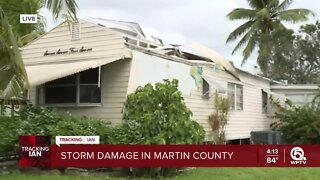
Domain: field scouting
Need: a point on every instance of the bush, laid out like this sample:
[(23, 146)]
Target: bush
[(46, 121), (37, 120), (126, 133), (219, 119), (299, 125), (9, 141), (83, 126), (158, 115)]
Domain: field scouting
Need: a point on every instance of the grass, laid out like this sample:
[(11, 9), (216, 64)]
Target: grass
[(200, 174), (253, 173)]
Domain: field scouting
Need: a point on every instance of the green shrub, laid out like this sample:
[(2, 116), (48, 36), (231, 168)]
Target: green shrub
[(158, 115), (9, 141), (299, 125), (83, 126), (46, 121), (125, 133), (38, 120)]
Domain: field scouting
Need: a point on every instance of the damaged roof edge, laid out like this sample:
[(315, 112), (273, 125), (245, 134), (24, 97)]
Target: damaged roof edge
[(261, 77), (172, 58), (196, 62), (216, 58), (153, 53)]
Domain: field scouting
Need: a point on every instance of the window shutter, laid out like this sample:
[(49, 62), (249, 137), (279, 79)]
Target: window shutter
[(75, 31)]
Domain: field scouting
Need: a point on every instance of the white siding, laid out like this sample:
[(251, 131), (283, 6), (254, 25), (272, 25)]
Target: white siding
[(105, 43), (240, 123), (201, 107), (252, 118), (147, 68), (151, 69), (114, 85)]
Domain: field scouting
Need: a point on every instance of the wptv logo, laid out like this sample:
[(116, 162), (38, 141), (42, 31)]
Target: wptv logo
[(297, 154)]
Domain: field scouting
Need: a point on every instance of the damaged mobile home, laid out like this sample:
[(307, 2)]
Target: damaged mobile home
[(92, 68)]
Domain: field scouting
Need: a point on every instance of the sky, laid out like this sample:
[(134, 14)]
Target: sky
[(184, 21)]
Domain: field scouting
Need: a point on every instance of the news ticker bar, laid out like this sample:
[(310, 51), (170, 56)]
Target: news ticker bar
[(100, 155)]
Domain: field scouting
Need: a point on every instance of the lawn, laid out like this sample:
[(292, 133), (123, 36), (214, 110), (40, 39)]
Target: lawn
[(201, 174), (253, 173)]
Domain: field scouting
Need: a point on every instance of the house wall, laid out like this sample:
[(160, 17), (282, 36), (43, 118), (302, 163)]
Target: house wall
[(148, 68), (252, 118), (152, 69), (114, 85), (103, 41), (201, 107), (105, 44)]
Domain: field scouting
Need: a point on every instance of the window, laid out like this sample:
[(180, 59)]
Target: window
[(300, 99), (205, 89), (239, 141), (143, 44), (61, 90), (89, 88), (235, 95), (81, 88), (264, 102)]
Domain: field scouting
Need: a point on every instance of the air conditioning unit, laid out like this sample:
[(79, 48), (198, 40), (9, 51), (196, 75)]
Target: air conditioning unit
[(266, 137)]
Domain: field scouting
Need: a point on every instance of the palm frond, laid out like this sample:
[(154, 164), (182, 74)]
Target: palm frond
[(62, 8), (264, 45), (29, 37), (249, 48), (277, 26), (295, 15), (263, 14), (256, 4), (244, 40), (284, 5), (273, 4), (13, 9), (242, 13), (13, 77), (239, 31)]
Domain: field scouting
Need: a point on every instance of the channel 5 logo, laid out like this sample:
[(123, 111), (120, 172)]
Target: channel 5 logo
[(297, 154)]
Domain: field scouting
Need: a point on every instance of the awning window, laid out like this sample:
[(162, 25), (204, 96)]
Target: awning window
[(214, 85)]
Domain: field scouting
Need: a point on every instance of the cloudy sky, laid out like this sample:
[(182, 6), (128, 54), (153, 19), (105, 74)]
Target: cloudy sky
[(182, 21)]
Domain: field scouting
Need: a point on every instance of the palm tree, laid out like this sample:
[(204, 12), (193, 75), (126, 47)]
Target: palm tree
[(264, 17), (24, 32), (13, 77)]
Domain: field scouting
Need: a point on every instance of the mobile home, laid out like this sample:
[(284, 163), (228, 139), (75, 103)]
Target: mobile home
[(90, 70)]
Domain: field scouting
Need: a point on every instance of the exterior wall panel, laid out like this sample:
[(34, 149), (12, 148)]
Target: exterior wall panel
[(240, 124), (105, 43)]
